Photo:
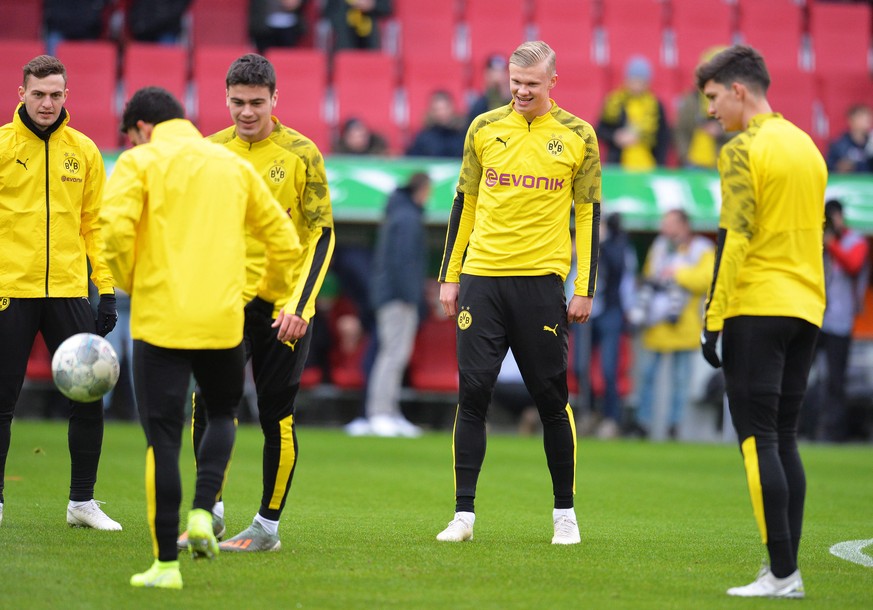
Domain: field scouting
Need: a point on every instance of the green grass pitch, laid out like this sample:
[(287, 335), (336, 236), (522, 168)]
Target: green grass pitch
[(663, 526)]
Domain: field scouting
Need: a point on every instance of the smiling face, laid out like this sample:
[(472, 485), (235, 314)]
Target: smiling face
[(251, 108), (43, 99), (530, 88), (725, 104)]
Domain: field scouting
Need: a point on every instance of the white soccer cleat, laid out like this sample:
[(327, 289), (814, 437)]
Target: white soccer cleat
[(384, 426), (406, 428), (90, 515), (359, 426), (1, 512), (566, 531), (767, 585), (460, 529)]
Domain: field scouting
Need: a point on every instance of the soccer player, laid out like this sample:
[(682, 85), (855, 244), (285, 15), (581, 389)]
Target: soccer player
[(177, 213), (507, 252), (50, 194), (293, 168), (767, 297)]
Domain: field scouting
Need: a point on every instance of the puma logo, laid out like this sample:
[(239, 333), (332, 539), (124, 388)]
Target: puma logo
[(291, 344), (502, 141), (554, 331), (24, 163)]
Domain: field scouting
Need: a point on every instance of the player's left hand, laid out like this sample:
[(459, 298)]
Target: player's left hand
[(579, 309), (709, 346), (107, 314), (291, 327)]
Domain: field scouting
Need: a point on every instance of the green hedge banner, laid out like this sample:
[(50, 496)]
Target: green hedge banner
[(359, 187)]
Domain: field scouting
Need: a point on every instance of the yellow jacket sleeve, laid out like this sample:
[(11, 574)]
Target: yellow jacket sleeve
[(92, 199), (586, 197)]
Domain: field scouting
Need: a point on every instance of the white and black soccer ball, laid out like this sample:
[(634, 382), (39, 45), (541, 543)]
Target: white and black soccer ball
[(85, 367)]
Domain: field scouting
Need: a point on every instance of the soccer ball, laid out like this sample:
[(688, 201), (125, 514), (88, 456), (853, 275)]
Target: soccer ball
[(85, 367)]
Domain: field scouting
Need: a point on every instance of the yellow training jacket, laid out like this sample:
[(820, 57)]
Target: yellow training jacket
[(769, 260), (50, 194), (517, 187), (174, 220), (293, 169)]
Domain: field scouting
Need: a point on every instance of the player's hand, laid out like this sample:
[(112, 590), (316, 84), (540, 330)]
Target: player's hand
[(291, 327), (107, 314), (579, 309), (449, 298), (709, 346)]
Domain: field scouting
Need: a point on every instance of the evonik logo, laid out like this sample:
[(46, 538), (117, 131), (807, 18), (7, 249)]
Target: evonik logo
[(528, 181)]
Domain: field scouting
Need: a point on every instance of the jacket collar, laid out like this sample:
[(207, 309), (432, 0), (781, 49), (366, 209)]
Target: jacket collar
[(26, 121)]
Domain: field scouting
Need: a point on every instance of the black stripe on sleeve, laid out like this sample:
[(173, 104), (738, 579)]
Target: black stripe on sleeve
[(595, 248), (319, 260), (719, 248), (452, 233)]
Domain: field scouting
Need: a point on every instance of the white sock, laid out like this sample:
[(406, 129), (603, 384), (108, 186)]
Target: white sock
[(271, 527), (78, 504), (564, 512), (468, 517), (218, 510)]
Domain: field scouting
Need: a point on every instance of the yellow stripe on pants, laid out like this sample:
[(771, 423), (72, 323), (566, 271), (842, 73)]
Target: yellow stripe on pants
[(151, 499), (287, 458), (753, 476), (572, 419)]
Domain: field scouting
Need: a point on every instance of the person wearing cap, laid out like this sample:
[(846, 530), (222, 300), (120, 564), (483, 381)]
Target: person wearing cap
[(496, 93), (633, 123)]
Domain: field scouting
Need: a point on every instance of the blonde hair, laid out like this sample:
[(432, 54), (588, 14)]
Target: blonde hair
[(532, 53)]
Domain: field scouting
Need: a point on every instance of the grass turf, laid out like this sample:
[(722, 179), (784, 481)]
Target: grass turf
[(663, 526)]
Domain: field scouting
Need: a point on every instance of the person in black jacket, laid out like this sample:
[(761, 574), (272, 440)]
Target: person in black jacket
[(396, 294), (443, 132)]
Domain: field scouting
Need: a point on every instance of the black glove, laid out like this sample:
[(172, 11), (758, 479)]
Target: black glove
[(709, 346), (107, 315), (259, 306)]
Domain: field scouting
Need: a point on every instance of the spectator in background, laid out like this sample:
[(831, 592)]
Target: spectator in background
[(355, 138), (852, 152), (156, 20), (396, 292), (697, 136), (846, 277), (676, 276), (444, 130), (276, 23), (617, 270), (65, 20), (496, 91), (633, 122), (355, 23)]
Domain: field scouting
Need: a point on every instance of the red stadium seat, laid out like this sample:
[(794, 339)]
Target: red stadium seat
[(424, 76), (365, 87), (491, 29), (632, 27), (219, 22), (305, 113), (566, 26), (427, 30), (39, 364), (838, 92), (210, 70), (780, 45), (793, 93), (147, 64), (91, 77), (433, 366), (698, 25), (15, 54), (21, 20), (840, 37), (581, 87)]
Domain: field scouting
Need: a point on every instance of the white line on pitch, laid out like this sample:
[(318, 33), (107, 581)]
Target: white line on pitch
[(851, 551)]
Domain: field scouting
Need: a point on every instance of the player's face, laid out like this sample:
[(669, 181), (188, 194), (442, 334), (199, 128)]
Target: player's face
[(251, 108), (530, 88), (725, 104), (43, 99)]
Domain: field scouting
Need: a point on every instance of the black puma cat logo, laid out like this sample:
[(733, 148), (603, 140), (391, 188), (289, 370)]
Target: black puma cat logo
[(24, 163)]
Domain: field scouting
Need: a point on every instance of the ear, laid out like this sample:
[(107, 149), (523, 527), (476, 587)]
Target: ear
[(20, 93), (739, 90), (553, 81), (145, 129)]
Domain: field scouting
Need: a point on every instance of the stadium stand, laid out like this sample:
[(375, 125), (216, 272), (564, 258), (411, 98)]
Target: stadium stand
[(21, 20), (15, 54), (632, 27), (92, 69), (424, 30), (219, 22), (793, 94), (490, 29), (147, 64), (780, 45), (695, 26), (433, 366), (422, 76), (567, 25), (305, 113), (580, 88), (365, 86), (210, 69)]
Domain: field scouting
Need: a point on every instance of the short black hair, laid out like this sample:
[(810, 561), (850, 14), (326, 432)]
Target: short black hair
[(833, 205), (739, 63), (252, 69), (153, 105)]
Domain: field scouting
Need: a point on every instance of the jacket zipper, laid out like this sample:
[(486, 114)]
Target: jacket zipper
[(48, 210)]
